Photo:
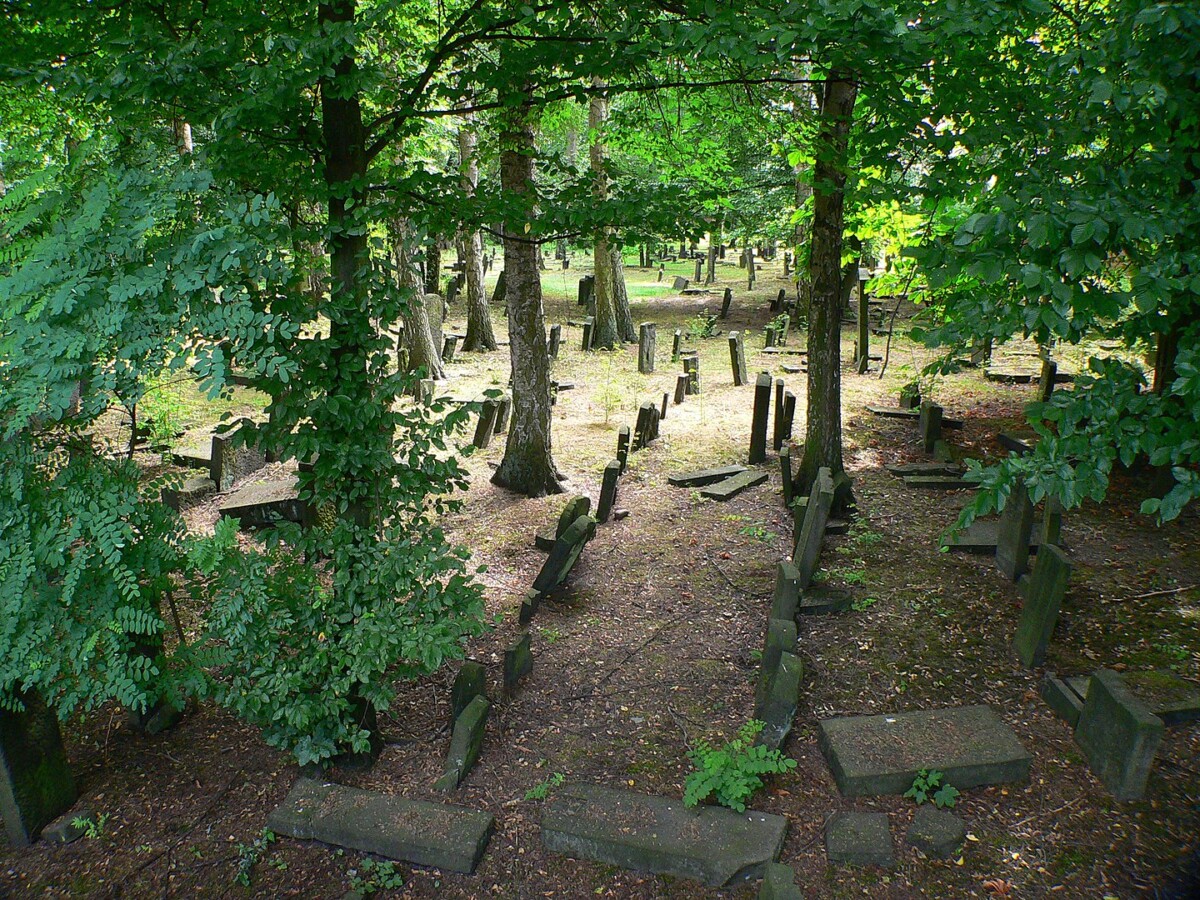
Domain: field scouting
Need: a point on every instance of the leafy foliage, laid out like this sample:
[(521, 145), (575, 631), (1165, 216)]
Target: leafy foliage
[(731, 774), (930, 785)]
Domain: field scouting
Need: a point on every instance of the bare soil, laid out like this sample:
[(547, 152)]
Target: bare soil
[(654, 642)]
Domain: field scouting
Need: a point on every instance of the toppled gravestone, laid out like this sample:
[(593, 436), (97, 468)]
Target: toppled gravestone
[(648, 833), (859, 839), (1119, 735), (447, 837), (563, 557), (937, 833)]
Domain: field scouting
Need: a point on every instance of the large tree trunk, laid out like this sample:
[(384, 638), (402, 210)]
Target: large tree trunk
[(625, 329), (433, 266), (418, 340), (479, 315), (528, 464), (823, 435), (604, 334)]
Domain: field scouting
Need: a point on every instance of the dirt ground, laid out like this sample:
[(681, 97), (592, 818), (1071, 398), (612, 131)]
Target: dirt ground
[(654, 644)]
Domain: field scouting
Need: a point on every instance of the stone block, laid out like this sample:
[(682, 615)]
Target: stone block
[(36, 784), (566, 552), (1118, 734), (818, 600), (732, 486), (938, 833), (647, 833), (787, 591), (265, 504), (469, 683), (232, 460), (190, 491), (969, 745), (1043, 598), (812, 529), (608, 490), (758, 425), (518, 661), (779, 883), (1062, 697), (1014, 534), (859, 839), (703, 477), (782, 695), (447, 837), (465, 743)]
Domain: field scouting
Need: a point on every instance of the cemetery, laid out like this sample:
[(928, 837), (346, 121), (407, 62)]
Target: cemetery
[(642, 559)]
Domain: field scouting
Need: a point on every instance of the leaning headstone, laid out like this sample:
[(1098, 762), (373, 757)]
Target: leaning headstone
[(781, 329), (930, 425), (779, 883), (812, 530), (466, 741), (726, 300), (1051, 531), (646, 342), (646, 429), (1119, 735), (1016, 527), (469, 683), (781, 695), (608, 491), (787, 591), (500, 293), (503, 411), (232, 460), (577, 506), (486, 424), (518, 662), (737, 358), (789, 413), (452, 838), (680, 283), (566, 552), (36, 785), (648, 833), (859, 839), (780, 638), (554, 341), (676, 345), (265, 504), (691, 368), (938, 833), (780, 299), (758, 425), (1043, 598), (585, 343), (681, 387)]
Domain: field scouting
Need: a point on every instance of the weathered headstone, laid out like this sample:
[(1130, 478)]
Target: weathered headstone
[(779, 883), (661, 270), (466, 740), (36, 785), (778, 436), (500, 293), (680, 283), (938, 833), (518, 661), (449, 346), (789, 413), (188, 492), (812, 530), (232, 459), (647, 336), (452, 838), (726, 300), (859, 839), (503, 411), (426, 388), (1046, 380), (781, 695), (730, 487), (265, 504), (785, 472), (608, 491), (681, 387), (699, 271), (737, 358), (930, 425), (659, 834), (702, 477), (780, 299), (1043, 598), (770, 336), (1016, 526), (587, 288), (486, 424), (787, 591), (623, 439), (566, 552), (781, 329), (780, 637), (1118, 734), (646, 429), (910, 396), (554, 341), (585, 342), (691, 367), (1051, 531), (758, 425), (469, 683)]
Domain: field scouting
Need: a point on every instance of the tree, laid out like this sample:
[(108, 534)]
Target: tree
[(479, 317)]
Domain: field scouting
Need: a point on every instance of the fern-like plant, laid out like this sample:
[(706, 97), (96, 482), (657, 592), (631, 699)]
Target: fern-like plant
[(733, 773)]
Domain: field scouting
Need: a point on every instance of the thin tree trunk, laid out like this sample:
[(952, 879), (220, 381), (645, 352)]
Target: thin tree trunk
[(604, 334), (423, 352), (479, 316), (711, 275), (528, 465), (823, 434), (433, 266)]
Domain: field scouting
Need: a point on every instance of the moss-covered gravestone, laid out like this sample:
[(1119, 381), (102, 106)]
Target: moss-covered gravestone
[(465, 743), (1051, 573), (564, 555), (812, 529), (36, 785), (1119, 735), (469, 683), (1013, 536)]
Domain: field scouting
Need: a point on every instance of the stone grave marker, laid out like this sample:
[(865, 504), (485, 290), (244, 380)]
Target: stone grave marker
[(770, 337), (691, 368), (702, 477), (503, 411), (1119, 735), (661, 269), (554, 341), (726, 300), (426, 388), (447, 837), (1172, 699), (680, 283), (449, 346), (1043, 598), (937, 833), (859, 839), (780, 638), (647, 833), (737, 358), (646, 342), (676, 345), (732, 486), (585, 343), (265, 504), (780, 299), (188, 492), (466, 741), (969, 745), (787, 591), (608, 491), (486, 424), (587, 288), (789, 413), (662, 411), (566, 552), (779, 882), (645, 430), (778, 436), (518, 662), (910, 396), (812, 529), (579, 505), (930, 425), (1046, 380), (782, 328), (785, 472), (623, 441), (681, 387), (781, 695), (469, 683), (1051, 529), (699, 271), (758, 426), (232, 460), (1015, 530), (36, 784)]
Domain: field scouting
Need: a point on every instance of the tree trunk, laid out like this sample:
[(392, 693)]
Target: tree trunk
[(479, 316), (433, 266), (528, 465), (823, 435), (711, 275), (604, 334), (625, 330), (423, 352)]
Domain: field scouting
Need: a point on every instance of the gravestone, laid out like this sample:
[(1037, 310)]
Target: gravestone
[(769, 337), (36, 784), (577, 506), (938, 833), (812, 530), (1043, 598), (503, 411), (499, 294), (446, 837), (863, 359), (1046, 380), (587, 289), (449, 346), (518, 662), (662, 412), (778, 436), (661, 269), (608, 491), (730, 487), (781, 329), (737, 358), (699, 271), (466, 741), (779, 882), (1119, 735), (623, 438), (969, 745), (930, 425), (646, 429), (425, 390), (1012, 539), (188, 492), (676, 345), (910, 396), (555, 340), (486, 424), (585, 343), (265, 504), (469, 683), (566, 552), (781, 696), (787, 591), (682, 383), (231, 460), (785, 472), (726, 300), (691, 368), (643, 832), (702, 477), (646, 344), (789, 413), (780, 638), (1051, 530), (780, 299), (680, 283), (758, 425), (859, 839)]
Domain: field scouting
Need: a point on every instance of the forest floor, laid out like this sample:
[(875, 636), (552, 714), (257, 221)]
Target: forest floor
[(654, 645)]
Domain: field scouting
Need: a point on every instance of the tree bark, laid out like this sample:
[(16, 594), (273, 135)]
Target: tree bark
[(433, 266), (423, 351), (625, 329), (823, 434), (528, 464), (479, 316), (711, 274), (604, 334)]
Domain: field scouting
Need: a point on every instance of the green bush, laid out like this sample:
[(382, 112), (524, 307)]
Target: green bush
[(733, 773)]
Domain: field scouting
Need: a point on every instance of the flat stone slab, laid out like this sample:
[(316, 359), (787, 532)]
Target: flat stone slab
[(936, 832), (982, 536), (704, 477), (262, 504), (859, 839), (940, 482), (819, 600), (899, 412), (969, 745), (659, 834), (446, 837), (731, 487), (1015, 443), (949, 470)]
